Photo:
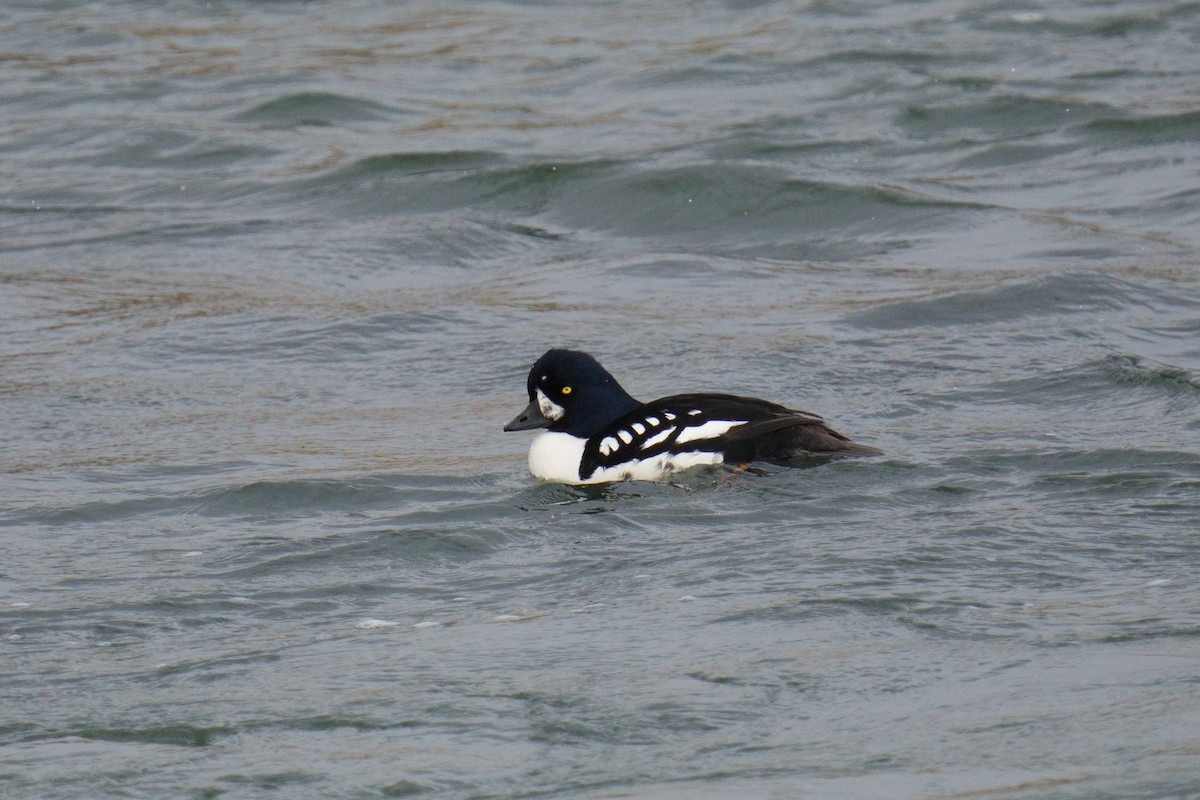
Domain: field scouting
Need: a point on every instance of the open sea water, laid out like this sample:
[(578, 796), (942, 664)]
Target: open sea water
[(272, 275)]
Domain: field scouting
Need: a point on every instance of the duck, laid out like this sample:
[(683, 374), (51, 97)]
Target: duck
[(595, 432)]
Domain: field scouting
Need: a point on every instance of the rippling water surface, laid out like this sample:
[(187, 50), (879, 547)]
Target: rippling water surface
[(271, 275)]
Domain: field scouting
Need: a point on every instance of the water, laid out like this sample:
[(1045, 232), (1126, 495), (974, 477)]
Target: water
[(271, 275)]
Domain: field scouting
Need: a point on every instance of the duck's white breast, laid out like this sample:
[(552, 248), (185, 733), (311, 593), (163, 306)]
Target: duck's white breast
[(555, 456)]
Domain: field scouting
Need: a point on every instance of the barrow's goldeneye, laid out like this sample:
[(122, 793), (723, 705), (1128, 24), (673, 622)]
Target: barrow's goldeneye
[(597, 433)]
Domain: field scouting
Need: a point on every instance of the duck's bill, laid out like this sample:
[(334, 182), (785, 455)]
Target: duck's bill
[(531, 417)]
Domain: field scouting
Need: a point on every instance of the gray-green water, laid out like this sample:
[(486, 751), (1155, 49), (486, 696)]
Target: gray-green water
[(271, 275)]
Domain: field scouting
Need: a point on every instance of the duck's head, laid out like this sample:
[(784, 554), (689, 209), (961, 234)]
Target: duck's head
[(570, 392)]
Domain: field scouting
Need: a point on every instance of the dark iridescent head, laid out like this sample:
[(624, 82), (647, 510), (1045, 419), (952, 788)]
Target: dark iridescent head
[(570, 392)]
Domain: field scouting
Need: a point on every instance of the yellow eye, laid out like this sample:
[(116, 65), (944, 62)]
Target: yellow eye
[(566, 390)]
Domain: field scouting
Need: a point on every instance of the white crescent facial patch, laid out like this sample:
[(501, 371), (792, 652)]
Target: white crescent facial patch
[(550, 409)]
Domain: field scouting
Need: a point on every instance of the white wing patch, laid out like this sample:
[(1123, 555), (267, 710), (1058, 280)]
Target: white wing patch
[(661, 436), (638, 428), (608, 445), (625, 436), (709, 430)]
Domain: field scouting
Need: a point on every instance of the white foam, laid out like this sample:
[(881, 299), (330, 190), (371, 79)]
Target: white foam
[(370, 624)]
